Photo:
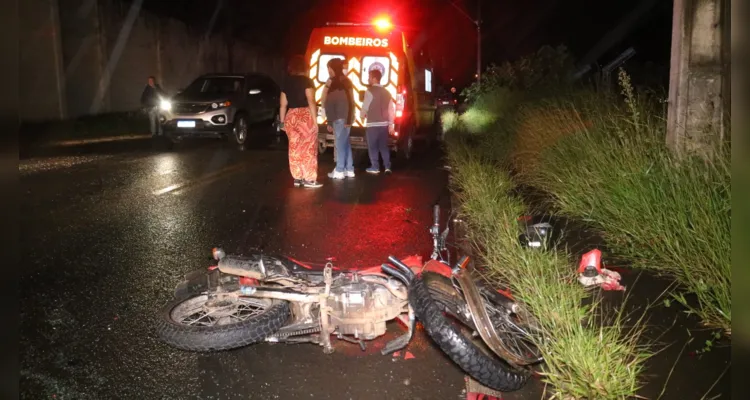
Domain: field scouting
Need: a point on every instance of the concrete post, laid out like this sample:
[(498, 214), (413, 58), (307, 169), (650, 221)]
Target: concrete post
[(159, 70), (698, 78), (103, 103), (54, 12)]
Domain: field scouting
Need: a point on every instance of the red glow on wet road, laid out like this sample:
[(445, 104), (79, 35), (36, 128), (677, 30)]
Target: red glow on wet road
[(360, 226)]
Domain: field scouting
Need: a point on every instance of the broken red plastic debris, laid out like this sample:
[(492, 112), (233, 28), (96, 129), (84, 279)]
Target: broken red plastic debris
[(612, 285), (213, 267), (505, 293), (397, 354), (409, 356), (591, 259)]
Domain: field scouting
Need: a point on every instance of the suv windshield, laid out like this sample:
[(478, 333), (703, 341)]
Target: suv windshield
[(216, 85)]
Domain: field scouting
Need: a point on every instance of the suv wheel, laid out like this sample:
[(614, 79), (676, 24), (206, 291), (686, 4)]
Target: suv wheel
[(240, 129)]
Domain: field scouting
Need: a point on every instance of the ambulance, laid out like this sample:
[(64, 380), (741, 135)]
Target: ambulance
[(365, 47)]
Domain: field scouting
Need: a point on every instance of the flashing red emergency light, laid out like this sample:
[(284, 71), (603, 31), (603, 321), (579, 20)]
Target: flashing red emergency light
[(382, 24)]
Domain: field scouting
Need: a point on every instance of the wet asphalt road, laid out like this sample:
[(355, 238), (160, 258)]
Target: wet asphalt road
[(109, 230)]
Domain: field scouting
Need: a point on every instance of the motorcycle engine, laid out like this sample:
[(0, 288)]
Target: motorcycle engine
[(361, 308)]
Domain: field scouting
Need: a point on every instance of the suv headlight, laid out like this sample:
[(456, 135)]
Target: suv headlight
[(165, 105), (221, 105)]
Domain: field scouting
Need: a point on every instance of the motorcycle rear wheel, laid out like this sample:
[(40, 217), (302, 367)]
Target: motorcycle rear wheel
[(430, 296), (201, 323)]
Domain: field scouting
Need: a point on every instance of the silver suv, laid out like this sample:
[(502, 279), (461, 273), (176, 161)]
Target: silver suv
[(220, 105)]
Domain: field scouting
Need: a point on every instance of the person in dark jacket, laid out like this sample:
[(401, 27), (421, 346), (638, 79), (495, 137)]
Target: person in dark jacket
[(339, 110), (150, 99)]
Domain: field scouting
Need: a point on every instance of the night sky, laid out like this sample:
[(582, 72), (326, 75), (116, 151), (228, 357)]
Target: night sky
[(511, 28)]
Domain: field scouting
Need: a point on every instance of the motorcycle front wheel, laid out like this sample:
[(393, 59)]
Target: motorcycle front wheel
[(204, 322), (437, 305)]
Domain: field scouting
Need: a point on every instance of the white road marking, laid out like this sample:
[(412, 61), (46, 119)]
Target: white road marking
[(168, 189)]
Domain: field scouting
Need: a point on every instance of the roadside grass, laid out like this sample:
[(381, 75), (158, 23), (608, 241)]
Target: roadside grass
[(449, 121), (586, 357), (602, 157), (604, 160), (88, 127)]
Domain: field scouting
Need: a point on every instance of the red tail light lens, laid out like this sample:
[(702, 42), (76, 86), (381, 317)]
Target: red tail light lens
[(400, 103)]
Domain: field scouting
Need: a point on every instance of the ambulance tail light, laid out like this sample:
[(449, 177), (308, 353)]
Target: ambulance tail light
[(400, 103)]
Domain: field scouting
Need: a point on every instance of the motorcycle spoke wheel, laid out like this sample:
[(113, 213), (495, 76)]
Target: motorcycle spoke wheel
[(202, 311), (205, 322), (439, 307), (517, 333)]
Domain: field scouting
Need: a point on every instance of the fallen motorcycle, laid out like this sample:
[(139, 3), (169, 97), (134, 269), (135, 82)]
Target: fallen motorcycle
[(261, 298)]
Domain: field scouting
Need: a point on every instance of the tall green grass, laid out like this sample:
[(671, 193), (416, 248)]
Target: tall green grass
[(604, 160), (602, 157), (585, 358)]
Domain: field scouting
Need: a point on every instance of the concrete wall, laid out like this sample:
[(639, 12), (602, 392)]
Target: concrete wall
[(81, 57), (42, 91)]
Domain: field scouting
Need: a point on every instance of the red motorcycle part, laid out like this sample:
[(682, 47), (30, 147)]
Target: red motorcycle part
[(245, 281), (591, 259)]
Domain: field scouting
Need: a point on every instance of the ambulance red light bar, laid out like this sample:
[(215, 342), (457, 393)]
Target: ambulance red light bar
[(382, 24), (346, 24)]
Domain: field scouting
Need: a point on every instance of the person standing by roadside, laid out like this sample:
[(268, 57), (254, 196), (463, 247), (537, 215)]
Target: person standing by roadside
[(339, 109), (150, 99), (379, 109), (297, 112)]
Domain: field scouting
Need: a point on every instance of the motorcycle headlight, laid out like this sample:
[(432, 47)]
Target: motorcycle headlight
[(165, 105)]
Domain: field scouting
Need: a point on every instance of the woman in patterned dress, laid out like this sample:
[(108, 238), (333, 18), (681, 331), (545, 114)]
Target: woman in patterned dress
[(297, 112)]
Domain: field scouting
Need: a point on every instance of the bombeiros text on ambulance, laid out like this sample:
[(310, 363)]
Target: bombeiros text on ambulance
[(355, 41)]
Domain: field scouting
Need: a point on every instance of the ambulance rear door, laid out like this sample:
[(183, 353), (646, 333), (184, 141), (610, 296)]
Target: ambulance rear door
[(362, 50)]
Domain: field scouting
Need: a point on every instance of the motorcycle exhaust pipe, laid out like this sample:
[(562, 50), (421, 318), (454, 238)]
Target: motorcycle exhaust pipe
[(393, 272), (402, 267)]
